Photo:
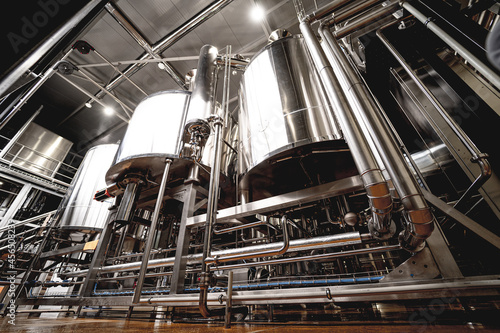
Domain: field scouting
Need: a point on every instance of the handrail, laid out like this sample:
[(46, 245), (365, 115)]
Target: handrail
[(31, 219)]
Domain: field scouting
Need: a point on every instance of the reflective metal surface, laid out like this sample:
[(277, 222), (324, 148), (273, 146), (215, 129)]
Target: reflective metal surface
[(80, 210), (282, 105), (39, 150), (322, 242), (153, 134)]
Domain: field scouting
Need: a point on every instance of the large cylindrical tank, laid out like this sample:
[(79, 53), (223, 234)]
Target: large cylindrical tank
[(155, 133), (79, 209), (288, 130)]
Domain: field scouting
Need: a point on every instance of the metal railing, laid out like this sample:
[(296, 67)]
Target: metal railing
[(15, 159)]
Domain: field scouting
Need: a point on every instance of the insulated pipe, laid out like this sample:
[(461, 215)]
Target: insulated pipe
[(172, 38), (151, 233), (477, 155), (266, 253), (304, 244), (371, 16), (420, 219), (316, 257), (486, 71), (202, 100), (371, 175)]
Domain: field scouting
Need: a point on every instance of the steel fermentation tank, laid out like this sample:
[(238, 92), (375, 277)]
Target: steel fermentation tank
[(289, 136), (155, 133), (79, 209)]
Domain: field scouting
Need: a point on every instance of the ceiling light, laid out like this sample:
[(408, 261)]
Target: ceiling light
[(108, 111), (161, 66), (88, 104), (257, 14)]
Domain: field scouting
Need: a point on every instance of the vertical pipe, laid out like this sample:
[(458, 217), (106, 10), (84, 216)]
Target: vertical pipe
[(229, 300), (202, 96), (151, 233), (420, 220), (128, 201), (213, 196), (371, 175)]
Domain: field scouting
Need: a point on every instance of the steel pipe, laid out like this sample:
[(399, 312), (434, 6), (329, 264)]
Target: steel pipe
[(313, 257), (322, 242), (371, 16), (477, 156), (151, 232), (371, 175), (420, 224), (484, 69), (265, 253)]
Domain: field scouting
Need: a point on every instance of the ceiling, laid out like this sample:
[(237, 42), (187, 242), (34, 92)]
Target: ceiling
[(64, 109)]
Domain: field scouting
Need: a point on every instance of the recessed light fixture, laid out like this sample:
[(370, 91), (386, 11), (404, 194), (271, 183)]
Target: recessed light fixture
[(88, 104), (108, 111), (257, 13)]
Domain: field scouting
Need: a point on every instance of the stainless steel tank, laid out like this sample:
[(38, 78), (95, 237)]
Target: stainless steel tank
[(285, 118), (79, 209), (155, 133)]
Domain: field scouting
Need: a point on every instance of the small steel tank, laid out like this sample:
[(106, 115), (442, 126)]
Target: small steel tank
[(79, 209), (288, 130)]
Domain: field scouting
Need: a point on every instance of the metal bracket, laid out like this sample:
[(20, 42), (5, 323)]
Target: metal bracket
[(421, 266)]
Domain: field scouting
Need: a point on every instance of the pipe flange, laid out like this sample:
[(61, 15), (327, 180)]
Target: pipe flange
[(382, 235), (429, 20)]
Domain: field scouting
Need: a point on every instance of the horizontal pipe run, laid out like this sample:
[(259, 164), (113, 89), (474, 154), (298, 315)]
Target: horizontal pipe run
[(240, 227), (365, 20), (290, 283), (322, 242), (313, 257), (264, 253)]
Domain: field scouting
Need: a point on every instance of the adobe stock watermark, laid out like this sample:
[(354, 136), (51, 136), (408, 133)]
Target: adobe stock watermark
[(11, 260), (31, 25), (425, 316)]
